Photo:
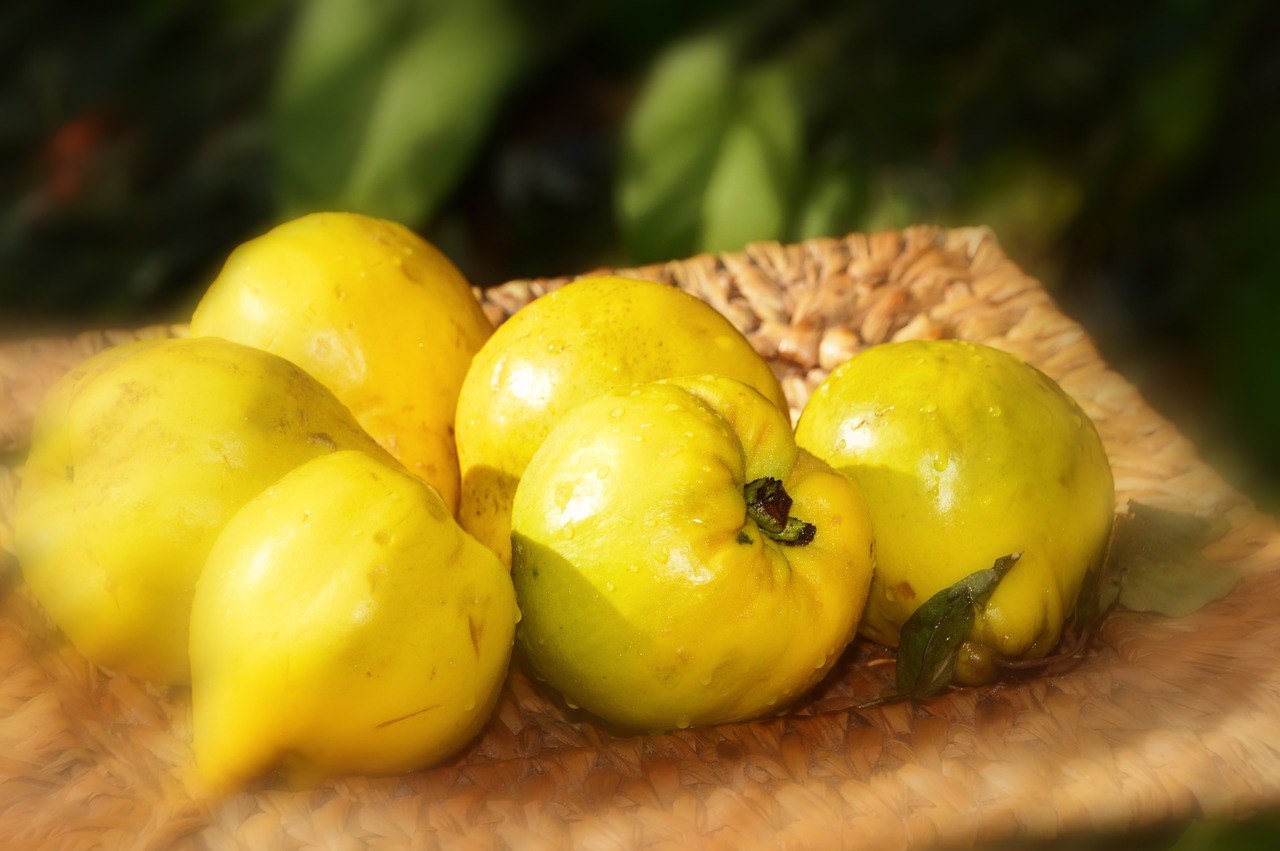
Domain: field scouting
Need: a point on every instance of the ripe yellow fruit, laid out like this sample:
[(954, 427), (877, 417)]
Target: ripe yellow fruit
[(138, 457), (680, 562), (373, 311), (966, 454), (565, 348), (344, 624)]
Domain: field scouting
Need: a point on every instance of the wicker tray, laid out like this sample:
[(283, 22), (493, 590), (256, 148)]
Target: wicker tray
[(1161, 719)]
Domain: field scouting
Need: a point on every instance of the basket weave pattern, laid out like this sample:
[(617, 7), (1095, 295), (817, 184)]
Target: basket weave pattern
[(1159, 719)]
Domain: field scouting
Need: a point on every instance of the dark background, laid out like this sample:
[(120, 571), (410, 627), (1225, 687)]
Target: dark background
[(1124, 154)]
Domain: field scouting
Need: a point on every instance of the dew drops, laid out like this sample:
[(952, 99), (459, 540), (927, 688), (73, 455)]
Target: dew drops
[(603, 472), (671, 407), (705, 679), (608, 586), (995, 410), (564, 493), (941, 462), (617, 412), (682, 722), (928, 408)]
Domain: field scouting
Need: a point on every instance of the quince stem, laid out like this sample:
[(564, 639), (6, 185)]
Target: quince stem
[(769, 505)]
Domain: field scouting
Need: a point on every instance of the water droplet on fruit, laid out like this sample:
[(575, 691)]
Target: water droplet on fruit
[(941, 462), (603, 472), (608, 586), (995, 410), (564, 493), (637, 438), (671, 407), (682, 722), (556, 346), (928, 408), (705, 679), (617, 412)]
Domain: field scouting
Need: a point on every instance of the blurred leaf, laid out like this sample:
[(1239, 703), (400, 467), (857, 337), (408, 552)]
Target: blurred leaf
[(1025, 197), (414, 97), (752, 186), (1163, 571), (834, 201), (1176, 104), (332, 67), (1256, 833), (670, 142), (891, 204)]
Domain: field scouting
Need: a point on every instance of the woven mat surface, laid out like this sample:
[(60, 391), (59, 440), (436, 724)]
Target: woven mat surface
[(1160, 719)]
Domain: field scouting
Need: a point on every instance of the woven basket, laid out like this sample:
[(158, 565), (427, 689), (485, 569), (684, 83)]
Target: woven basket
[(1161, 719)]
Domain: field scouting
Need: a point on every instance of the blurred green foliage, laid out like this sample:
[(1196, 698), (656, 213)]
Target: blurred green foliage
[(1124, 153)]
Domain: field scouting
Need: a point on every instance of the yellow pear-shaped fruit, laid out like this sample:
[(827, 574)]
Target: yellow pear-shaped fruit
[(375, 312), (138, 457), (345, 624), (565, 347)]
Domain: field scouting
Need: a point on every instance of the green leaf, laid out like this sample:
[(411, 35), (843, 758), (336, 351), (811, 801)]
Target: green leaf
[(439, 96), (1162, 567), (752, 187), (381, 105), (324, 90), (1154, 563), (930, 639), (670, 143)]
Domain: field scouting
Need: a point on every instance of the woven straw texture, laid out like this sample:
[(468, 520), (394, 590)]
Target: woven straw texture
[(1159, 719)]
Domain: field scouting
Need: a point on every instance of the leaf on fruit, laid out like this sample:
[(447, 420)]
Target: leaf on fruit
[(1160, 564), (929, 642)]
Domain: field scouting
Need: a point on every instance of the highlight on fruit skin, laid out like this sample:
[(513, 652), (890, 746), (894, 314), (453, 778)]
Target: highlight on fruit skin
[(967, 454), (375, 312), (345, 624)]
